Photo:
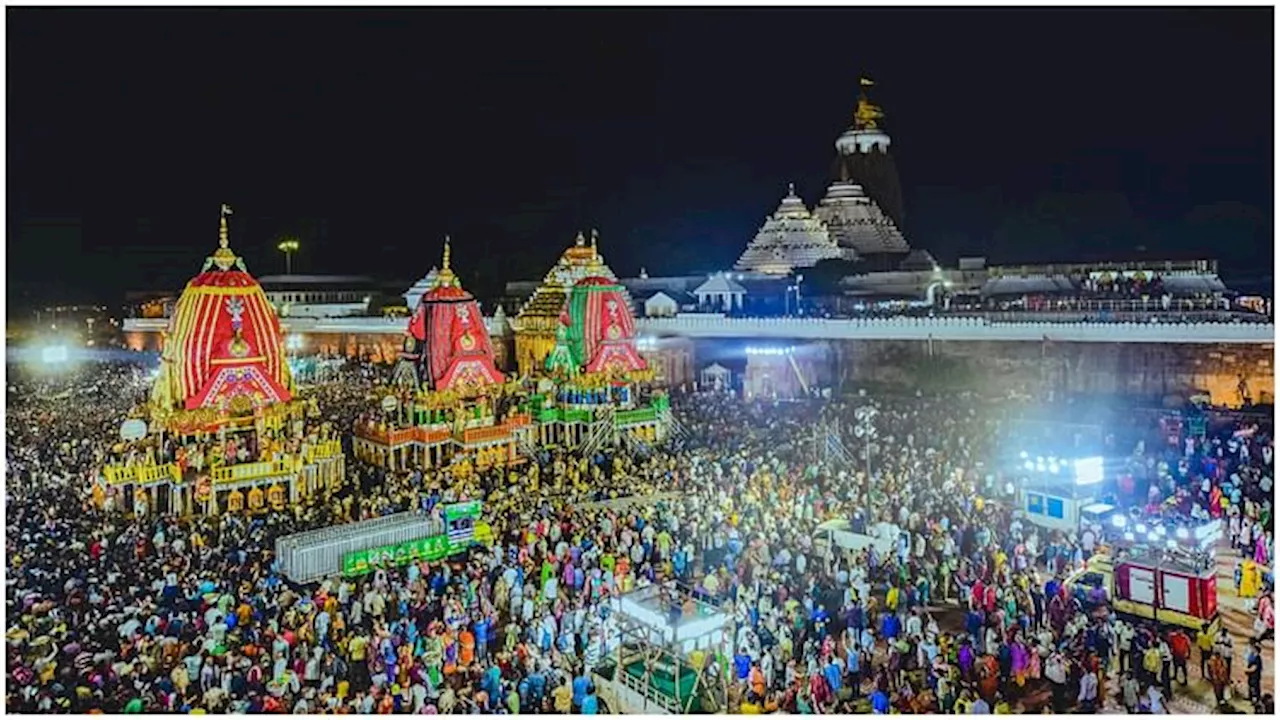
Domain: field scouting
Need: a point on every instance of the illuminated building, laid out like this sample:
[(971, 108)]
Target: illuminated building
[(319, 296), (790, 238), (863, 159), (857, 225)]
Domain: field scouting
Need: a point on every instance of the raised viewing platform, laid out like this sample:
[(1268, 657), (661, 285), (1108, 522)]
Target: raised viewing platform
[(1153, 327), (145, 475)]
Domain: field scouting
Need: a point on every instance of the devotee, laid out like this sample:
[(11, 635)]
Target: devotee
[(157, 612)]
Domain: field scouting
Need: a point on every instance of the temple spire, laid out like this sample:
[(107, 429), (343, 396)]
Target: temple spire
[(867, 113), (446, 278), (223, 258), (595, 238), (222, 225), (579, 241)]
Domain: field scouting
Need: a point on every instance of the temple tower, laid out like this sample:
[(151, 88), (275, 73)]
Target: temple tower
[(862, 157)]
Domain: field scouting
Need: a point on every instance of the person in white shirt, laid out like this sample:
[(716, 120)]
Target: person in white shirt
[(1155, 701), (1088, 697), (913, 625), (1124, 640)]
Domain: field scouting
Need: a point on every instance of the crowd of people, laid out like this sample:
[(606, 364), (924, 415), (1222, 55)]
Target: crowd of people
[(966, 611)]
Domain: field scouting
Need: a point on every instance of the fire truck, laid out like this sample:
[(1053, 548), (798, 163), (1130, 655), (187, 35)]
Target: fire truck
[(1170, 587)]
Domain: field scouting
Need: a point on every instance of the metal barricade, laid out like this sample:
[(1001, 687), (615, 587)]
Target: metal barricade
[(316, 554)]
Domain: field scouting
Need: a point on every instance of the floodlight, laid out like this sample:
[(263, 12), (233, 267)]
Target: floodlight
[(1029, 466), (1119, 520), (1128, 536), (1154, 538), (54, 355), (1089, 470), (1182, 533), (1141, 528)]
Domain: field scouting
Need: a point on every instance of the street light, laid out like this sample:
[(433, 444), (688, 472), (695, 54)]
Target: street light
[(288, 246), (865, 428)]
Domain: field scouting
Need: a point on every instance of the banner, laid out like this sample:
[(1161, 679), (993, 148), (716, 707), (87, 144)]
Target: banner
[(430, 549), (462, 510)]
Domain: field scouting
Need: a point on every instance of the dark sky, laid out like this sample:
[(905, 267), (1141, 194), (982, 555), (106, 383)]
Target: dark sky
[(1023, 135)]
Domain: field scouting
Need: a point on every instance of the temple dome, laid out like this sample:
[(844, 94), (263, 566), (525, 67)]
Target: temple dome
[(855, 222), (790, 238), (792, 206)]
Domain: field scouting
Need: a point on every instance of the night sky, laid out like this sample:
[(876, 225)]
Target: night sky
[(1032, 135)]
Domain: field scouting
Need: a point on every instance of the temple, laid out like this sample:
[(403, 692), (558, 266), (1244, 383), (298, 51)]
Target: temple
[(857, 225), (862, 158), (536, 324), (860, 218), (790, 238)]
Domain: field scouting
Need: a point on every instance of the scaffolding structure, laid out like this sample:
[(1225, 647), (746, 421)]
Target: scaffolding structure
[(667, 653)]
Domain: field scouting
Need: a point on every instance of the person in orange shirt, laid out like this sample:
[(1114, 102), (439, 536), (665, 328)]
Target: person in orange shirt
[(1180, 646), (757, 680), (467, 647)]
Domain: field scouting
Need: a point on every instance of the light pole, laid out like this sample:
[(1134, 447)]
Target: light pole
[(288, 246), (865, 428), (793, 289)]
